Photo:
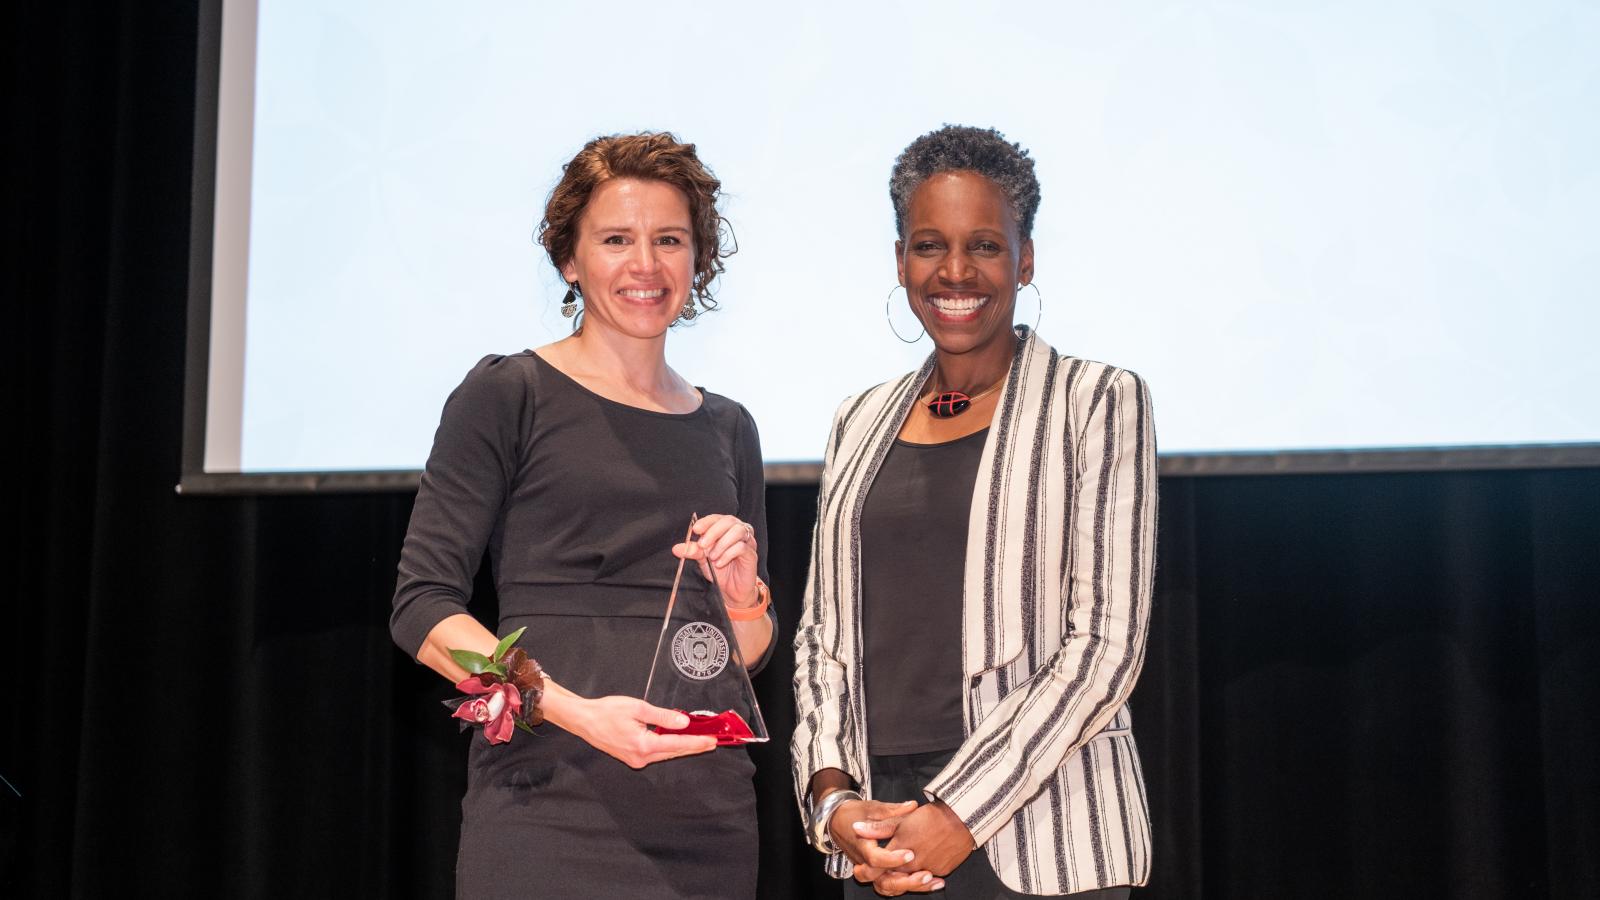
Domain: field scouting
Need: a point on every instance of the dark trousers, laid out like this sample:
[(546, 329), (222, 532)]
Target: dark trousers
[(897, 778)]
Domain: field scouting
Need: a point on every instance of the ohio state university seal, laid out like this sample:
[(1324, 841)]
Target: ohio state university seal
[(699, 650)]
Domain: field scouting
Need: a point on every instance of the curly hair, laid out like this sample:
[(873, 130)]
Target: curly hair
[(964, 148), (650, 156)]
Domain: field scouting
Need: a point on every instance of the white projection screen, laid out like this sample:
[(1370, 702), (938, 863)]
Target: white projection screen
[(1331, 237)]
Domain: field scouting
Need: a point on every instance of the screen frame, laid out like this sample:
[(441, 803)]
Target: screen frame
[(195, 480), (1176, 465)]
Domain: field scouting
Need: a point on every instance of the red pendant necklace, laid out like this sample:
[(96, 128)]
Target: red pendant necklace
[(949, 404)]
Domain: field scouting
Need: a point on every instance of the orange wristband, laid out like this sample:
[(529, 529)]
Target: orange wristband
[(751, 613)]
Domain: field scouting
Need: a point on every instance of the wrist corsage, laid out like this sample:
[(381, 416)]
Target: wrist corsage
[(504, 690)]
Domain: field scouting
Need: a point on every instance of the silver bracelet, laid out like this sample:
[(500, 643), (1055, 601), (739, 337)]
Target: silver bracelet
[(822, 813)]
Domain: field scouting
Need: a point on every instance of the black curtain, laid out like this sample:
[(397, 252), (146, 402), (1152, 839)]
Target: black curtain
[(1358, 685)]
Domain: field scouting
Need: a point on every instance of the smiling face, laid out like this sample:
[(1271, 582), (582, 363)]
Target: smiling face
[(633, 257), (960, 261)]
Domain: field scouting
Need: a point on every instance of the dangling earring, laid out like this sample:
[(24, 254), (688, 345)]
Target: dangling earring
[(569, 303), (896, 331), (688, 312), (1038, 296)]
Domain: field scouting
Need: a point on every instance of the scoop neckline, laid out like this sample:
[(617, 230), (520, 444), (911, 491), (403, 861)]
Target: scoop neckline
[(697, 411), (984, 431)]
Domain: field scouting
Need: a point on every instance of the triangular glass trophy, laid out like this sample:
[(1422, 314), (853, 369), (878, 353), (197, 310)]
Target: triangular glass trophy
[(699, 670)]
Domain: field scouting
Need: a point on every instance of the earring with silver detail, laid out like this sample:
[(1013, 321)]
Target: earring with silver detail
[(569, 303), (1040, 298), (887, 315), (688, 312)]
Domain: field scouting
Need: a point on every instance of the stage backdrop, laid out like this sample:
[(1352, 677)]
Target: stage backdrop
[(1356, 685)]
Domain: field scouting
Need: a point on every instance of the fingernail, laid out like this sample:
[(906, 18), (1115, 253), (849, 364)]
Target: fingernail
[(910, 856), (937, 886), (859, 825), (927, 878)]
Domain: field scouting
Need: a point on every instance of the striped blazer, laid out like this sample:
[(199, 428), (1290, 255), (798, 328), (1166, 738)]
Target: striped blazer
[(1055, 607)]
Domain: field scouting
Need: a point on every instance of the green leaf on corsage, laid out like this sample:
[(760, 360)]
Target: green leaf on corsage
[(475, 663), (504, 646)]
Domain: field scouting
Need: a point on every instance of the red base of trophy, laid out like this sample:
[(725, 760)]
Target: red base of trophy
[(727, 726)]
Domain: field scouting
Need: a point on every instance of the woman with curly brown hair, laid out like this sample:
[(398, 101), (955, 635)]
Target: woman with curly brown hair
[(576, 466)]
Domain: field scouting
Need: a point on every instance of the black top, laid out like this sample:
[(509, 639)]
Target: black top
[(578, 500), (913, 552)]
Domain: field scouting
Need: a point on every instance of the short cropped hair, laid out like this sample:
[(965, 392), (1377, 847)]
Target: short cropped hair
[(963, 148), (648, 156)]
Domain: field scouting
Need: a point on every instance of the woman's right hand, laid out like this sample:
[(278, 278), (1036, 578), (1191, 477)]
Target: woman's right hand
[(856, 828), (619, 726)]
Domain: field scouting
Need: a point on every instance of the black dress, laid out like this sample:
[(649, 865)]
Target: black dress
[(578, 500)]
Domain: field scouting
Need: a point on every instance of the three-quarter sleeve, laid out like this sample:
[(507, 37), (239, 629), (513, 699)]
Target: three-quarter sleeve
[(752, 480), (819, 678), (463, 488)]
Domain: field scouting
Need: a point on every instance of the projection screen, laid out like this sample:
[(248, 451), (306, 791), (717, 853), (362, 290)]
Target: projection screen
[(1330, 236)]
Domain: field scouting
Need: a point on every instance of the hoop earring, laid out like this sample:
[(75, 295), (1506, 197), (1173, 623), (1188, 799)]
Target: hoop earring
[(896, 331), (1038, 296)]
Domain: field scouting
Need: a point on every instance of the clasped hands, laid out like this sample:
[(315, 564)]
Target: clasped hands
[(923, 843)]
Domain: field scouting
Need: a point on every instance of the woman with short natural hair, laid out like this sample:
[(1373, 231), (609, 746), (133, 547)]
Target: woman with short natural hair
[(979, 594)]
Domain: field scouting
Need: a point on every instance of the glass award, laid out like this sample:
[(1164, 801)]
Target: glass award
[(698, 669)]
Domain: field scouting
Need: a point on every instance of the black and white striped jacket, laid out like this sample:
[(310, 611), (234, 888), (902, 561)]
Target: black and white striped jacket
[(1056, 604)]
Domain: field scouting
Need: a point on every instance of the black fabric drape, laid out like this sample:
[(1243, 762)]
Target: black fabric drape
[(1379, 685), (1356, 685)]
